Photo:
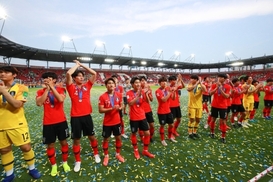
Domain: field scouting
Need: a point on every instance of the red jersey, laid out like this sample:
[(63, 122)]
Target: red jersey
[(176, 101), (80, 99), (136, 111), (146, 102), (163, 107), (219, 101), (119, 89), (268, 92), (53, 109), (256, 97), (111, 118), (236, 97), (207, 85)]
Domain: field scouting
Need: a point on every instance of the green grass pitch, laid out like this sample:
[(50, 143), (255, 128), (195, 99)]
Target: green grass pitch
[(247, 152)]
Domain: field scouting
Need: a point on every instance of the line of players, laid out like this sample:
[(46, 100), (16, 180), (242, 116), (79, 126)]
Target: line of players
[(138, 98)]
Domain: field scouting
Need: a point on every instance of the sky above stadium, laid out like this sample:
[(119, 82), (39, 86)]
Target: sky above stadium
[(208, 29)]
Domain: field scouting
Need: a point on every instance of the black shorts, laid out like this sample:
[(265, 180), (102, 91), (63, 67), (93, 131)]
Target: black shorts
[(165, 118), (205, 98), (141, 125), (268, 103), (125, 100), (176, 112), (228, 109), (82, 125), (217, 111), (256, 105), (108, 130), (149, 117), (237, 108), (50, 132)]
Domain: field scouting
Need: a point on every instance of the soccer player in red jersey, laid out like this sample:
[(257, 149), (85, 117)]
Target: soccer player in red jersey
[(138, 120), (206, 95), (148, 97), (176, 84), (54, 121), (119, 89), (110, 103), (163, 95), (268, 98), (236, 103), (81, 120), (220, 92)]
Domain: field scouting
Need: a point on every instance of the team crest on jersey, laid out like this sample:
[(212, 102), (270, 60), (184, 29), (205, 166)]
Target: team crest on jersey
[(84, 88), (117, 99)]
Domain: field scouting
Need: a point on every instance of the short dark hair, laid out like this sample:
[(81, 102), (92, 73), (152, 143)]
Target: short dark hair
[(205, 78), (109, 79), (221, 75), (11, 69), (143, 77), (246, 78), (127, 79), (269, 80), (134, 79), (171, 78), (234, 80), (195, 77), (76, 73), (162, 79), (114, 76), (49, 74), (254, 81)]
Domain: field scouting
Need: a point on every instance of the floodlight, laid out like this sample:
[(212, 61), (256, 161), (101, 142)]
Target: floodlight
[(3, 14), (175, 65), (109, 60), (228, 53), (143, 62), (160, 64), (177, 53), (99, 43), (66, 38), (84, 58), (236, 64), (133, 62)]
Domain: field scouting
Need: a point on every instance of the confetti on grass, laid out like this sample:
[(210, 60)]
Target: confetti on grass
[(247, 152)]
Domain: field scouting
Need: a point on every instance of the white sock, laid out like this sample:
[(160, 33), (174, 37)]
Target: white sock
[(9, 172)]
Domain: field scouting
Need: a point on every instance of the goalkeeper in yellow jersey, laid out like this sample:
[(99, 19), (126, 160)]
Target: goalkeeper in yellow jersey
[(195, 89), (13, 125)]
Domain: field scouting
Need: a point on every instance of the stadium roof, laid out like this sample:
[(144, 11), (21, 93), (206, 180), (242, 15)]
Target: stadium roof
[(9, 49)]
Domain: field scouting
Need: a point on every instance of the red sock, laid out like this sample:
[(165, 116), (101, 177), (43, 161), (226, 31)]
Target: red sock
[(212, 126), (176, 124), (209, 120), (51, 155), (205, 107), (118, 146), (105, 147), (232, 118), (268, 111), (152, 130), (64, 150), (122, 126), (265, 112), (94, 145), (146, 142), (141, 134), (77, 152), (134, 140), (252, 113), (161, 132), (223, 128), (170, 131)]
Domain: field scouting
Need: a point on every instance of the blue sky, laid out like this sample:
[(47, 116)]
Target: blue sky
[(207, 29)]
